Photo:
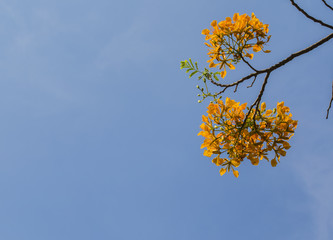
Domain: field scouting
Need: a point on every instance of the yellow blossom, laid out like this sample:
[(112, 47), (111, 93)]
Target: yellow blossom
[(235, 172), (222, 171), (232, 39), (263, 134)]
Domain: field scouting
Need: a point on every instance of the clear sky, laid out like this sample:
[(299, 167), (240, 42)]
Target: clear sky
[(98, 133)]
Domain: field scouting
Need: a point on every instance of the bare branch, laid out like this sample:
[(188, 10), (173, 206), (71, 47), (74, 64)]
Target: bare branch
[(274, 67), (327, 5), (310, 17), (225, 88), (256, 103), (237, 82), (329, 107), (236, 88), (258, 100), (249, 64), (255, 78), (268, 71), (306, 50)]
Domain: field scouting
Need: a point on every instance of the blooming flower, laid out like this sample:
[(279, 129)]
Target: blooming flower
[(232, 39), (226, 133)]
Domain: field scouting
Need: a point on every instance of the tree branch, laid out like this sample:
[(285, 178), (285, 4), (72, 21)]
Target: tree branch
[(274, 67), (250, 66), (310, 17), (268, 71), (256, 104), (254, 79), (329, 107), (258, 100), (327, 5), (306, 50)]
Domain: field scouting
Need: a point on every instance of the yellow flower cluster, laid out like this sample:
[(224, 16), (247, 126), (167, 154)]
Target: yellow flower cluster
[(225, 132), (231, 39)]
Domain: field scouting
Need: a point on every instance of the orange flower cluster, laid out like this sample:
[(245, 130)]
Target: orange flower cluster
[(225, 132), (230, 40)]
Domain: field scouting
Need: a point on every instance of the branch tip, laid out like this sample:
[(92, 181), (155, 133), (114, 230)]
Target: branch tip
[(329, 107), (327, 5), (310, 17)]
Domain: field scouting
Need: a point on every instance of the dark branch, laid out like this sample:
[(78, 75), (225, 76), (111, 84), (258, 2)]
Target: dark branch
[(306, 50), (310, 17), (258, 100), (249, 64), (327, 5), (225, 88), (274, 67), (235, 83), (268, 71), (236, 88), (329, 107), (254, 79), (256, 103)]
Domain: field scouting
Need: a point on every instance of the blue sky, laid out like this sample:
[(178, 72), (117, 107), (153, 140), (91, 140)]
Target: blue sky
[(99, 125)]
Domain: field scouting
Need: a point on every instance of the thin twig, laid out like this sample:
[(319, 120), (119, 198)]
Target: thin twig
[(252, 82), (249, 64), (225, 88), (236, 88), (235, 83), (256, 102), (327, 5), (329, 107), (310, 17)]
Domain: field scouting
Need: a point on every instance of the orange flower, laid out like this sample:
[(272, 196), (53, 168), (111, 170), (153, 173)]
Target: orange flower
[(231, 39), (225, 133)]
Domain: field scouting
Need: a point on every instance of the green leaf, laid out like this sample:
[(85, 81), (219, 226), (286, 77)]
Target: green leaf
[(191, 63), (193, 73), (215, 77)]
